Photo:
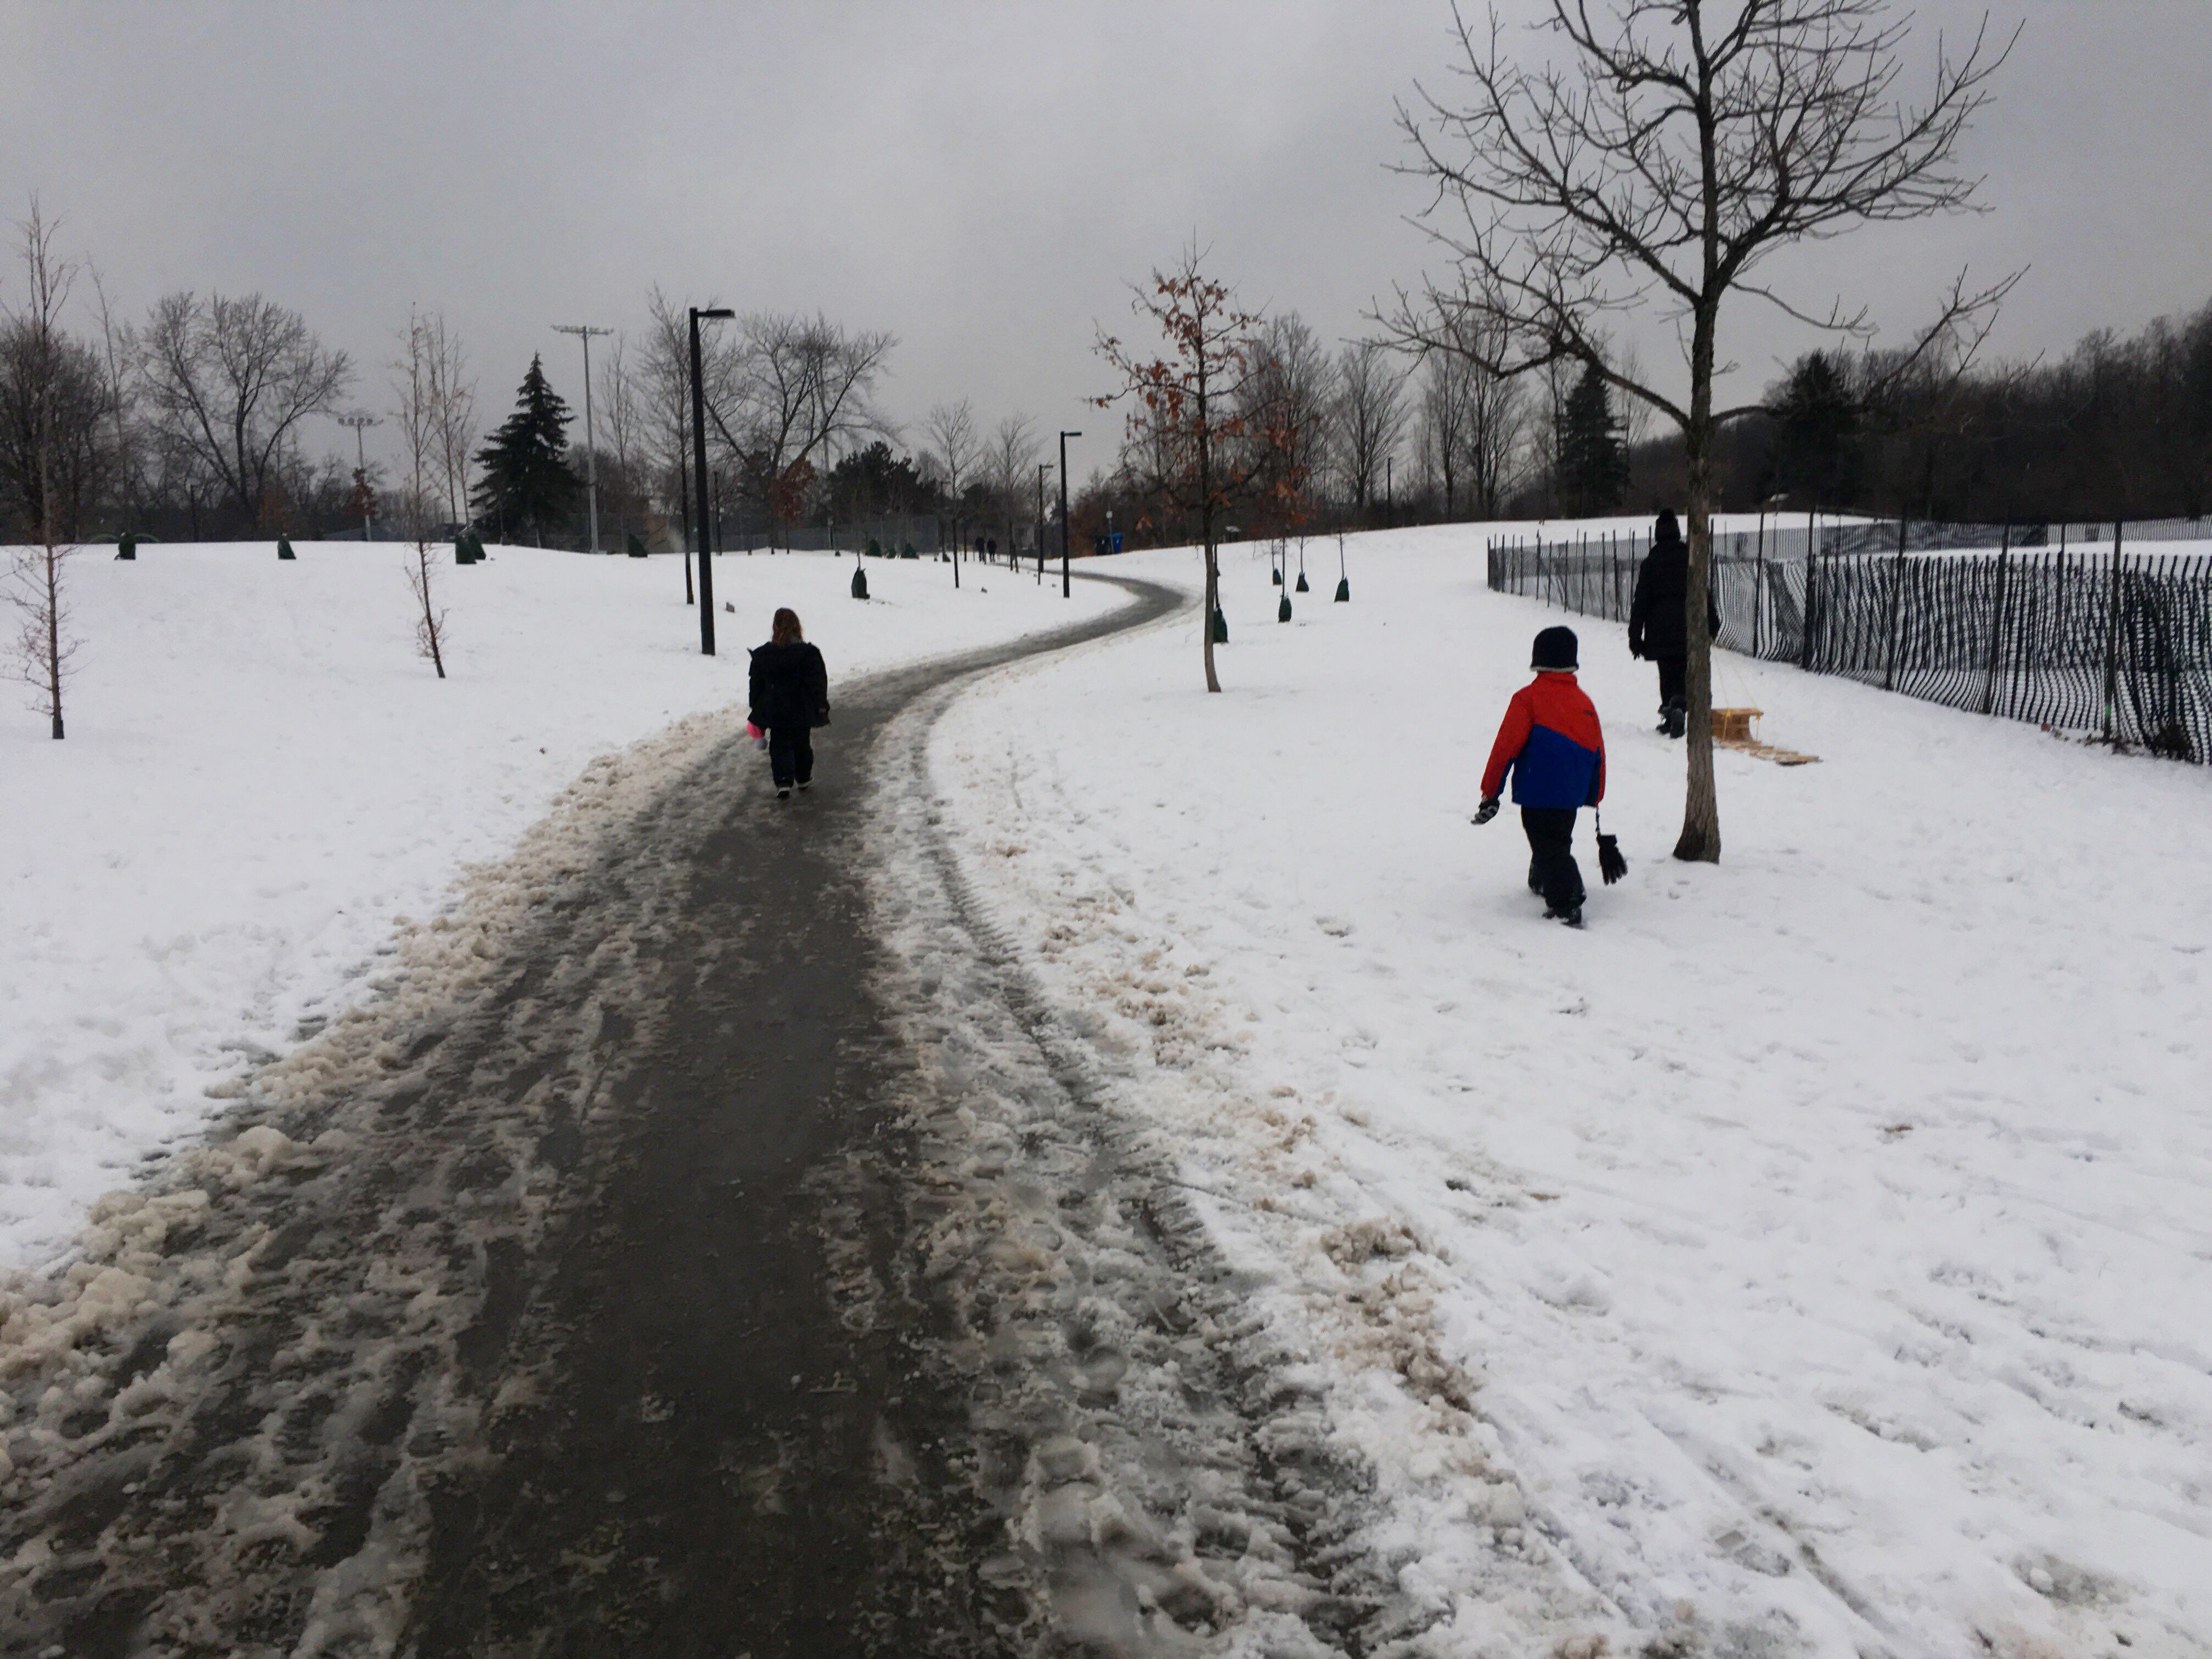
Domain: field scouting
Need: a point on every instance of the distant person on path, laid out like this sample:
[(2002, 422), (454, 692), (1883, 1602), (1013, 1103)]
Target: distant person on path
[(1550, 743), (1658, 624), (790, 696)]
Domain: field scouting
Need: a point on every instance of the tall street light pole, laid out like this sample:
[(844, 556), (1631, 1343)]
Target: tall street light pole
[(360, 422), (1066, 587), (584, 332), (699, 459)]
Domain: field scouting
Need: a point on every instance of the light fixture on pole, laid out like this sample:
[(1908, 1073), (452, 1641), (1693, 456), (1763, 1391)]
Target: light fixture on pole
[(360, 422), (584, 332), (699, 459), (1066, 587)]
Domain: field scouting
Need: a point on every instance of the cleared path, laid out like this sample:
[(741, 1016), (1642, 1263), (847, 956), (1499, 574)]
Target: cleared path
[(576, 1314)]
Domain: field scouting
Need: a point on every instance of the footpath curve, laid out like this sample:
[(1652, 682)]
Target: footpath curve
[(559, 1315)]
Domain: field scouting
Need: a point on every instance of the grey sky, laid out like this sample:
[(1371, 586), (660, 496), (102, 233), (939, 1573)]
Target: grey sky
[(982, 179)]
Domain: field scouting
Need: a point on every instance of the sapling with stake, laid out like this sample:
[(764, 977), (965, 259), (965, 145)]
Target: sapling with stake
[(425, 394)]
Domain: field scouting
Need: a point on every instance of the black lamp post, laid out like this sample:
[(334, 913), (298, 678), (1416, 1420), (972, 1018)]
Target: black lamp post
[(1066, 587), (699, 459)]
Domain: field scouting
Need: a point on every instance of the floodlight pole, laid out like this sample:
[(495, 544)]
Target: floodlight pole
[(360, 422), (584, 332), (699, 459), (1065, 587)]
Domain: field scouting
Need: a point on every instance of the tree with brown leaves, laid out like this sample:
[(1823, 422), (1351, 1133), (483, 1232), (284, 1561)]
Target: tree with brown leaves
[(1186, 425)]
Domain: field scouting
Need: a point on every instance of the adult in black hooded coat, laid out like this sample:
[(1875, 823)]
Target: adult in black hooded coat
[(789, 694), (1658, 623)]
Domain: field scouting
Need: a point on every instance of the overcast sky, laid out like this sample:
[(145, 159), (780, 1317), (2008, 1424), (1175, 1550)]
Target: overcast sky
[(984, 180)]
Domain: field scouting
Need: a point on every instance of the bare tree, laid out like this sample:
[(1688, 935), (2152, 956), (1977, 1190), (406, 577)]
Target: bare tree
[(1010, 463), (120, 353), (1685, 141), (1442, 424), (802, 391), (950, 432), (451, 393), (1185, 428), (665, 380), (625, 398), (1496, 415), (422, 416), (1473, 422), (230, 378), (58, 446), (1370, 416), (42, 375), (1289, 404)]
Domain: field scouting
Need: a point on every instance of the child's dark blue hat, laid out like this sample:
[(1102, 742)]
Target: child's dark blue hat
[(1556, 649)]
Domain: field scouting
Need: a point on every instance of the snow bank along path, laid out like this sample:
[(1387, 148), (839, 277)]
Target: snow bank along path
[(263, 788), (1812, 1257)]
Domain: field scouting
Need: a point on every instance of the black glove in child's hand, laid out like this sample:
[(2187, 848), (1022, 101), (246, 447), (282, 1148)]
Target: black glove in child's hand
[(1487, 811)]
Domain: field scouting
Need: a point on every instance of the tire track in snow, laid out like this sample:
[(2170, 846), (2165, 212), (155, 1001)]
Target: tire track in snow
[(1165, 1474)]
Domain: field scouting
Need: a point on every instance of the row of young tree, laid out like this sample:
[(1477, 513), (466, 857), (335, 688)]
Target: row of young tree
[(1377, 431)]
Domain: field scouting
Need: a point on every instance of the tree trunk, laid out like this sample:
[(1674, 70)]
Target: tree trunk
[(53, 573), (1213, 604), (54, 664), (1206, 526), (1700, 840)]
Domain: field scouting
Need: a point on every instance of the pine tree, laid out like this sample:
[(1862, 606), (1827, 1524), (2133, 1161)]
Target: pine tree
[(1816, 422), (526, 486), (1593, 459)]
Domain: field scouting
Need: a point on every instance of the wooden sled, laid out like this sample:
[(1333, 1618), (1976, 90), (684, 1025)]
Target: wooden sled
[(1732, 729)]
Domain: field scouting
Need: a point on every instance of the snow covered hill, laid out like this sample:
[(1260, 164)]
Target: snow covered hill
[(1812, 1253), (262, 781)]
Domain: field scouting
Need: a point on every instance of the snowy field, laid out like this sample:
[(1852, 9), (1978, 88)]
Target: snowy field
[(262, 782), (1813, 1256)]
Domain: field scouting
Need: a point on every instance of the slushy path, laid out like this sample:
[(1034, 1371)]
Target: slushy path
[(570, 1319)]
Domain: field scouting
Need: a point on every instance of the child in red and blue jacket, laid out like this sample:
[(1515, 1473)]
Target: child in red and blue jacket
[(1550, 743)]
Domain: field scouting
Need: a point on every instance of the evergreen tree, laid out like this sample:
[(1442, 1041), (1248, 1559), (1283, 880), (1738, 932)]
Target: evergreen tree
[(1592, 458), (874, 483), (1816, 430), (526, 487)]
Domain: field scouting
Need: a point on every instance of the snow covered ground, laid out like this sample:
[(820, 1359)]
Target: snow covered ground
[(1811, 1257), (262, 781)]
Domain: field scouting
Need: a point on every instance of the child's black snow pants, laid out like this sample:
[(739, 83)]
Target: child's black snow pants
[(1553, 870), (790, 755)]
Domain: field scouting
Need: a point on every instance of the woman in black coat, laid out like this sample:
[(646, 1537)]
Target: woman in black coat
[(790, 696), (1658, 623)]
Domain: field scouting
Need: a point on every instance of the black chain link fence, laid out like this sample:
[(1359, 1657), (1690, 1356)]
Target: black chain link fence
[(2100, 637)]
